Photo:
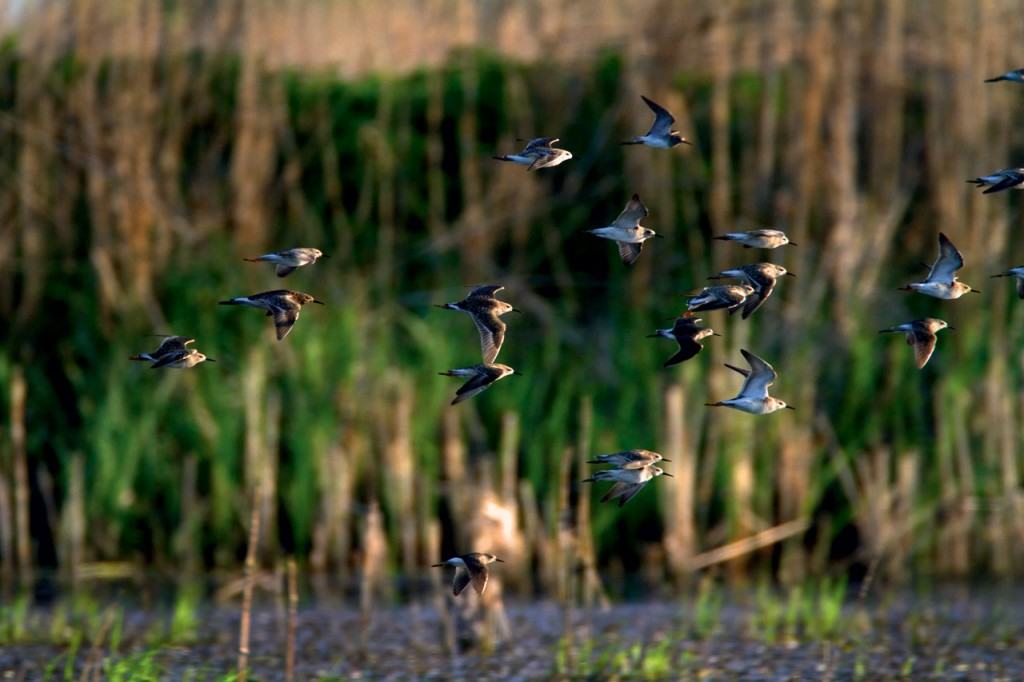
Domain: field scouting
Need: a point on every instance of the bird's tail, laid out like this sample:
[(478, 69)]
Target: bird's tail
[(977, 182), (722, 237), (996, 79), (230, 301), (141, 356), (501, 158)]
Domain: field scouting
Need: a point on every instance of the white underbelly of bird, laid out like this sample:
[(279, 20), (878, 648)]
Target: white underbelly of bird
[(620, 234)]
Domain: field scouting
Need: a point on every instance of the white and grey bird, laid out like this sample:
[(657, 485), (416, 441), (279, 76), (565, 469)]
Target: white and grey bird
[(753, 396), (289, 260), (921, 334), (539, 153), (687, 333), (626, 231), (470, 569), (941, 281), (1018, 275), (1017, 76), (629, 459), (1008, 178), (180, 359), (661, 135), (486, 311), (169, 344), (722, 297), (481, 377), (283, 305), (626, 482), (757, 239), (761, 276)]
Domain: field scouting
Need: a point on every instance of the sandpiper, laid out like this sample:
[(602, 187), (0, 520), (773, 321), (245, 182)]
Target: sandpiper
[(629, 459), (539, 153), (283, 304), (920, 335), (470, 568), (288, 260), (753, 396), (1018, 274), (1008, 178), (661, 135), (1017, 76), (941, 281), (628, 482), (481, 378), (757, 239), (486, 311), (180, 359), (170, 344), (761, 276), (626, 231), (724, 297), (686, 332)]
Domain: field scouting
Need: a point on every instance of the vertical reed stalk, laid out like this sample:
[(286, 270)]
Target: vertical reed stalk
[(249, 579), (293, 620), (23, 537)]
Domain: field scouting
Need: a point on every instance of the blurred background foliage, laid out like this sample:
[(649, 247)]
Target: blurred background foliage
[(146, 148)]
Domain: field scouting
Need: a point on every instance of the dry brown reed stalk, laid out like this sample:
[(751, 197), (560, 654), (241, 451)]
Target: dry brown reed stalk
[(566, 542), (293, 620), (437, 582), (19, 474), (744, 547), (73, 519), (679, 504), (248, 584), (372, 574), (591, 590)]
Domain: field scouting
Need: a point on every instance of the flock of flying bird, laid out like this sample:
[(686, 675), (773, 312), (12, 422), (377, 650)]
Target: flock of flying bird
[(629, 471)]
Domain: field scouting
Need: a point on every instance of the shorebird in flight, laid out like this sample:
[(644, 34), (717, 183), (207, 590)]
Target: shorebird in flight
[(480, 378), (627, 482), (941, 281), (753, 396), (920, 335), (1017, 76), (757, 239), (288, 261), (486, 311), (661, 135), (1018, 275), (629, 459), (1008, 178), (687, 333), (626, 231), (723, 297), (470, 568), (169, 344), (180, 359), (283, 305), (539, 153), (761, 276)]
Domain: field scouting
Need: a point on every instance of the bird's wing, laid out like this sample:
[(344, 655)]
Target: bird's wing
[(924, 345), (171, 357), (545, 158), (624, 491), (460, 581), (1008, 178), (949, 261), (763, 288), (1020, 286), (478, 382), (687, 349), (663, 120), (173, 343), (477, 573), (284, 319), (762, 375), (631, 216), (629, 252), (634, 459), (485, 291), (492, 334), (539, 144), (284, 270)]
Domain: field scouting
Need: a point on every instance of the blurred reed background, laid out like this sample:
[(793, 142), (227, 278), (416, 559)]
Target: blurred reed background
[(145, 148)]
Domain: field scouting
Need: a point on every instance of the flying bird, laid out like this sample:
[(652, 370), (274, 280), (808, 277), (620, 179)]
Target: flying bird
[(761, 276), (470, 568), (757, 239), (539, 153), (1017, 76), (687, 333), (627, 232), (283, 305), (941, 281), (920, 335), (723, 297), (289, 260), (169, 344), (629, 459), (1008, 178), (486, 311), (753, 396), (180, 359), (1018, 275), (661, 135), (480, 378), (627, 482)]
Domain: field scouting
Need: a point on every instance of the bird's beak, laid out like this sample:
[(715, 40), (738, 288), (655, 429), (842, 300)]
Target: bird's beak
[(665, 460), (517, 374), (659, 236), (715, 334), (210, 360), (952, 329), (499, 560), (790, 407), (793, 244), (790, 274), (316, 300), (516, 310), (686, 142), (975, 291), (665, 473)]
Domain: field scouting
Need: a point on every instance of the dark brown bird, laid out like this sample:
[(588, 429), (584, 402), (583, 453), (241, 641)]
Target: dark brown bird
[(470, 568), (486, 311), (686, 332)]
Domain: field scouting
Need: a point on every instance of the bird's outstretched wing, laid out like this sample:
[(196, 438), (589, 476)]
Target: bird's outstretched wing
[(634, 212), (949, 261), (924, 345), (629, 252), (663, 120), (492, 334), (761, 376)]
